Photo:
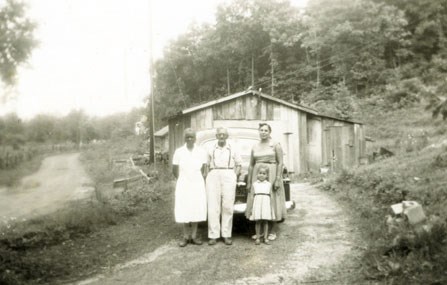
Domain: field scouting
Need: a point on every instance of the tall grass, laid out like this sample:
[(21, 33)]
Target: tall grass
[(26, 246), (403, 254)]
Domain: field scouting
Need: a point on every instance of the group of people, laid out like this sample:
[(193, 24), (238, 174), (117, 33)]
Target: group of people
[(206, 187)]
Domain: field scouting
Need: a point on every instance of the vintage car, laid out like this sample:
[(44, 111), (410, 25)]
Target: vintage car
[(243, 139)]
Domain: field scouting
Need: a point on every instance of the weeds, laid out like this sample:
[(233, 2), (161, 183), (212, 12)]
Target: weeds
[(405, 254), (59, 245)]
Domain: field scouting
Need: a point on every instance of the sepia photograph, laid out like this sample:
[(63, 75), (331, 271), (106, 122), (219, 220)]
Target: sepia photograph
[(223, 142)]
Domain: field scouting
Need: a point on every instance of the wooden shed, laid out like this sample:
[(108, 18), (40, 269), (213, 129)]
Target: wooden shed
[(162, 140), (310, 140)]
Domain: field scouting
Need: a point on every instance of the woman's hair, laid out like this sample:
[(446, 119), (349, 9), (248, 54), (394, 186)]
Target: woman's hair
[(265, 124)]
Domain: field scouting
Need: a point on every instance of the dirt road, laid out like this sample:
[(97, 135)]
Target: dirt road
[(61, 178), (316, 244)]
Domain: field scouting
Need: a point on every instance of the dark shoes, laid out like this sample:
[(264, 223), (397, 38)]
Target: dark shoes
[(196, 241), (227, 241), (185, 241)]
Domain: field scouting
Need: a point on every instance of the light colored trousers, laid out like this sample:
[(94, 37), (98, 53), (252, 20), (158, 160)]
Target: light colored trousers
[(221, 192)]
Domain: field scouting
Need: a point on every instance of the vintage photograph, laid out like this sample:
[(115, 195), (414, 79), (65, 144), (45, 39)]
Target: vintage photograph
[(223, 142)]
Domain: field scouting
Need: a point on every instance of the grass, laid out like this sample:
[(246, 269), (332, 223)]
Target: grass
[(402, 254), (88, 235)]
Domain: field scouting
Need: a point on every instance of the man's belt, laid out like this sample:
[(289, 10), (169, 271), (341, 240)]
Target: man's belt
[(222, 168)]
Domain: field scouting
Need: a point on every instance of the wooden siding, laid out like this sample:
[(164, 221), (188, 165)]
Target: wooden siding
[(244, 108), (314, 137), (342, 144), (177, 127), (202, 119), (303, 153), (309, 141)]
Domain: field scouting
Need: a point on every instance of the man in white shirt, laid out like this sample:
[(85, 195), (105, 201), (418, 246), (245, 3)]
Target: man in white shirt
[(224, 166)]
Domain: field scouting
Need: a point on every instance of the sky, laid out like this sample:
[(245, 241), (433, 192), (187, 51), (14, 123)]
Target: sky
[(94, 55)]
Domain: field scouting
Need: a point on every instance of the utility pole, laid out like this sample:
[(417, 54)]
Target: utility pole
[(228, 81), (252, 70), (273, 69), (151, 98)]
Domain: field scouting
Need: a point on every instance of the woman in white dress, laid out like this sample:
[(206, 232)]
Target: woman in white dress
[(189, 163)]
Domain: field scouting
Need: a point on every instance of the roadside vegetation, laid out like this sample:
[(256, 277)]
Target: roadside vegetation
[(89, 235), (381, 62), (401, 253)]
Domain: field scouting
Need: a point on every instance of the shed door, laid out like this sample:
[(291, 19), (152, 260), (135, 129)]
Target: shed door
[(334, 148), (340, 148)]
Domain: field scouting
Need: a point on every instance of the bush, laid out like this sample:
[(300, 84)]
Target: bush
[(404, 93), (407, 254), (335, 100)]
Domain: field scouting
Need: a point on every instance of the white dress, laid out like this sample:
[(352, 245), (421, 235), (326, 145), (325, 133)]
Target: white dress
[(262, 206), (190, 193)]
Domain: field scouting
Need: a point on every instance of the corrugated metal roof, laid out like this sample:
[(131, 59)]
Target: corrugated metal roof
[(162, 132), (244, 93), (262, 95)]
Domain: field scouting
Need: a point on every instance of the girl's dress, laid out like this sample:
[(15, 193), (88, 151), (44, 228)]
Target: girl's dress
[(190, 193), (262, 208), (267, 157)]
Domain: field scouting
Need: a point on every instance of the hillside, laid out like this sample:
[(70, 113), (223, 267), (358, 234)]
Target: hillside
[(397, 252)]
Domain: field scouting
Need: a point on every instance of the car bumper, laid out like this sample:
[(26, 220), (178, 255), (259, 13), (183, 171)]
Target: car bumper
[(241, 207)]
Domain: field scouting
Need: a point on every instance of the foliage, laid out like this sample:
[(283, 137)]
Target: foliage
[(404, 92), (400, 253), (76, 127), (16, 38), (335, 100), (287, 52), (138, 196), (393, 52), (52, 248)]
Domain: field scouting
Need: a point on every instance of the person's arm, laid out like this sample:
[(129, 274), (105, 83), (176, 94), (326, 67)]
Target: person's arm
[(280, 163), (206, 164), (250, 170), (175, 171), (204, 170)]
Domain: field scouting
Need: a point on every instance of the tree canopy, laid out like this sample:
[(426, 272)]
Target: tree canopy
[(16, 39), (325, 56)]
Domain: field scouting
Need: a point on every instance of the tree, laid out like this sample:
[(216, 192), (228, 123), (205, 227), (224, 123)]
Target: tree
[(16, 39), (40, 128), (251, 43), (353, 42)]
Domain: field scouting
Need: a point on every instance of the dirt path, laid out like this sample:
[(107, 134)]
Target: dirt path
[(317, 244), (61, 178)]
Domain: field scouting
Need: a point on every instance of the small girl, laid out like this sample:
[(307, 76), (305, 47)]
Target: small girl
[(262, 209)]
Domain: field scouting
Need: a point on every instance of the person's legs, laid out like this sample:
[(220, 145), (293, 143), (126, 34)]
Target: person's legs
[(266, 230), (186, 227), (194, 230), (194, 239), (184, 241), (258, 232), (273, 225), (228, 195), (213, 191)]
